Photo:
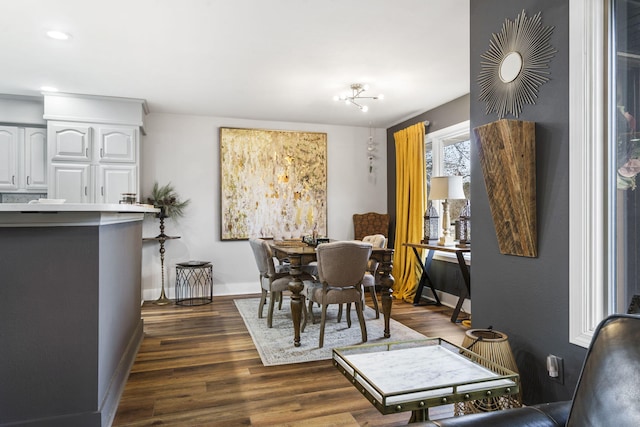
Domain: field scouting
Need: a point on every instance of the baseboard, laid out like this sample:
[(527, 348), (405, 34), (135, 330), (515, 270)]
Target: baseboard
[(109, 405), (451, 300), (219, 289)]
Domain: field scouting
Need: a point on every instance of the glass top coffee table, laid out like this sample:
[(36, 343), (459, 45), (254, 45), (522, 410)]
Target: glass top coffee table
[(416, 375)]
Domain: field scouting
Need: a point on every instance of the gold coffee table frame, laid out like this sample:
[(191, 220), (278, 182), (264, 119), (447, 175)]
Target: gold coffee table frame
[(475, 377)]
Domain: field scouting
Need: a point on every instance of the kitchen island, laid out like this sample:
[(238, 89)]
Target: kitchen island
[(70, 324)]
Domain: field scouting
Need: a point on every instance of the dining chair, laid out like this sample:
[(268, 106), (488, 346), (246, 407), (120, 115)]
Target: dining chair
[(370, 223), (341, 268), (273, 282), (369, 280)]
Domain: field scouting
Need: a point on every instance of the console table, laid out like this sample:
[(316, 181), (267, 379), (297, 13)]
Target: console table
[(425, 279)]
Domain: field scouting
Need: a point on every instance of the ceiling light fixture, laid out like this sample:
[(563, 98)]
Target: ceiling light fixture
[(58, 35), (356, 95)]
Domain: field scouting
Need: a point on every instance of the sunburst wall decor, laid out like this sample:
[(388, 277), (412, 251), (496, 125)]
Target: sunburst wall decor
[(515, 65)]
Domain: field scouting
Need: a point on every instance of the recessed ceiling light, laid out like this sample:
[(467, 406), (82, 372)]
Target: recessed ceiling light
[(58, 35), (48, 89)]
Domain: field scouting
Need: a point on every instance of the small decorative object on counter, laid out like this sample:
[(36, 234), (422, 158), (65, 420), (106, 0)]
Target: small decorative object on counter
[(128, 199)]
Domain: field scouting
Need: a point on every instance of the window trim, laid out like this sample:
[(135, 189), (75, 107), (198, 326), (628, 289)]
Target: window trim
[(588, 244), (439, 138)]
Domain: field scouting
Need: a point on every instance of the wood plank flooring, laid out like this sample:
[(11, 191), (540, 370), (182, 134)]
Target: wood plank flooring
[(197, 366)]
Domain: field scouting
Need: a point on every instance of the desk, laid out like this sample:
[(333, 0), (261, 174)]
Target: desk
[(425, 279), (301, 255), (426, 373)]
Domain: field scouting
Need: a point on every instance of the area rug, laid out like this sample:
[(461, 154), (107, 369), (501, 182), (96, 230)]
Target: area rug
[(275, 345)]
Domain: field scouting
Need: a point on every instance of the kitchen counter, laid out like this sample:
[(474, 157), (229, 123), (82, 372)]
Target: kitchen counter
[(70, 324)]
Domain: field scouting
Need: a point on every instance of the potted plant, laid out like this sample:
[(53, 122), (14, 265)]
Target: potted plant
[(167, 200)]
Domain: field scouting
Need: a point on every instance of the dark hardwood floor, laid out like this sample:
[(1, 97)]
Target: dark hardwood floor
[(197, 366)]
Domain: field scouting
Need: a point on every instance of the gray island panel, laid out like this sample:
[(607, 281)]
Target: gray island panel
[(70, 322)]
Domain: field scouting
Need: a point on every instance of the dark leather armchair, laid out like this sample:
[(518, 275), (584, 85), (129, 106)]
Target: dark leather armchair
[(607, 393)]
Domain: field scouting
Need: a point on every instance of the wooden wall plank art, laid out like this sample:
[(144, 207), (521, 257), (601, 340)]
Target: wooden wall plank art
[(506, 149), (272, 183)]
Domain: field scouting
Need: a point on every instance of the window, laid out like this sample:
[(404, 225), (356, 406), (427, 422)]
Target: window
[(624, 146), (605, 159), (447, 152)]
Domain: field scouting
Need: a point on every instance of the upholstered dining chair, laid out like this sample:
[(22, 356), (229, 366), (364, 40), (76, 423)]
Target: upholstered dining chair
[(370, 223), (273, 282), (341, 268), (369, 280)]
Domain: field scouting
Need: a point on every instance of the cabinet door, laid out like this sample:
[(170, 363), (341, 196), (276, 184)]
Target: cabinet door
[(70, 181), (113, 180), (69, 142), (117, 144), (35, 151), (8, 158)]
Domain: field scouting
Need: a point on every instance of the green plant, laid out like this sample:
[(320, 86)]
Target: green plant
[(167, 200)]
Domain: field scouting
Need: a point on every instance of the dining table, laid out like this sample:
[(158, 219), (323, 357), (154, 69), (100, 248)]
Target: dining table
[(299, 254)]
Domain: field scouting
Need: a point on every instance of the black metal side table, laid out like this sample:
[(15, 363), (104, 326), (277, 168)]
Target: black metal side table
[(194, 283)]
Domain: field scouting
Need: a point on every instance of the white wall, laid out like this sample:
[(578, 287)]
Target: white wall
[(184, 150)]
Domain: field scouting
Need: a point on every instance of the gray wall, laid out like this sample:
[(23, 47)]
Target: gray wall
[(528, 298)]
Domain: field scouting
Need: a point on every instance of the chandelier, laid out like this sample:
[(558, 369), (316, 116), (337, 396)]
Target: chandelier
[(354, 98)]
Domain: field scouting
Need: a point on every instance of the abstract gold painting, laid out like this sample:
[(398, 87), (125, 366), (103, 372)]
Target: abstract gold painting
[(273, 183)]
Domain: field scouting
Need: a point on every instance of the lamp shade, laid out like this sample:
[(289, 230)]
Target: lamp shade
[(446, 188)]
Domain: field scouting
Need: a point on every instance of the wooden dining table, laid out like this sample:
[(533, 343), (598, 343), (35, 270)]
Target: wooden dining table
[(300, 254)]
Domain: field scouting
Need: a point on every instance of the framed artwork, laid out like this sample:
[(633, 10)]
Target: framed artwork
[(273, 183)]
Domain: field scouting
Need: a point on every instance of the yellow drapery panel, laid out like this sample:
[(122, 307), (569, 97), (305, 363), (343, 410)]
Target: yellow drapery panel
[(410, 207)]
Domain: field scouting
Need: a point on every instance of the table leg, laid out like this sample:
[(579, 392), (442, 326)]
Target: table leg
[(419, 415), (386, 285), (425, 279), (466, 291), (296, 286)]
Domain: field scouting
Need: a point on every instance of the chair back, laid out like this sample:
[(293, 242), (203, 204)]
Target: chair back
[(608, 389), (262, 254), (376, 240), (370, 223), (343, 264)]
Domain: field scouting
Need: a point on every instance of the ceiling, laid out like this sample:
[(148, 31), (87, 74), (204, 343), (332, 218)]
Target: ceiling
[(280, 60)]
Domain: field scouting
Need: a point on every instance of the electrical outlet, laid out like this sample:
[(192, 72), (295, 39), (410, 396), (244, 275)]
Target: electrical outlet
[(555, 368)]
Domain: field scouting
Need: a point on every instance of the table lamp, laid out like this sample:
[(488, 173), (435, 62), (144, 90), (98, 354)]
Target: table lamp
[(446, 188)]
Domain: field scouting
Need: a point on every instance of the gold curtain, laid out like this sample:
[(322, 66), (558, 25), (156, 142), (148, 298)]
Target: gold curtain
[(410, 207)]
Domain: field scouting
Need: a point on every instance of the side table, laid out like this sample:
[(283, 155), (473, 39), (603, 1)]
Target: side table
[(426, 373), (194, 283)]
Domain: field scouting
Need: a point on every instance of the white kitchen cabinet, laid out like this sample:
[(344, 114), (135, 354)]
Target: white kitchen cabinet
[(93, 163), (35, 159), (70, 142), (113, 180), (23, 159), (8, 158), (70, 181)]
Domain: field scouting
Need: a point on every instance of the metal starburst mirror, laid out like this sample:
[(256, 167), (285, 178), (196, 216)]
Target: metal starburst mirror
[(515, 65)]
